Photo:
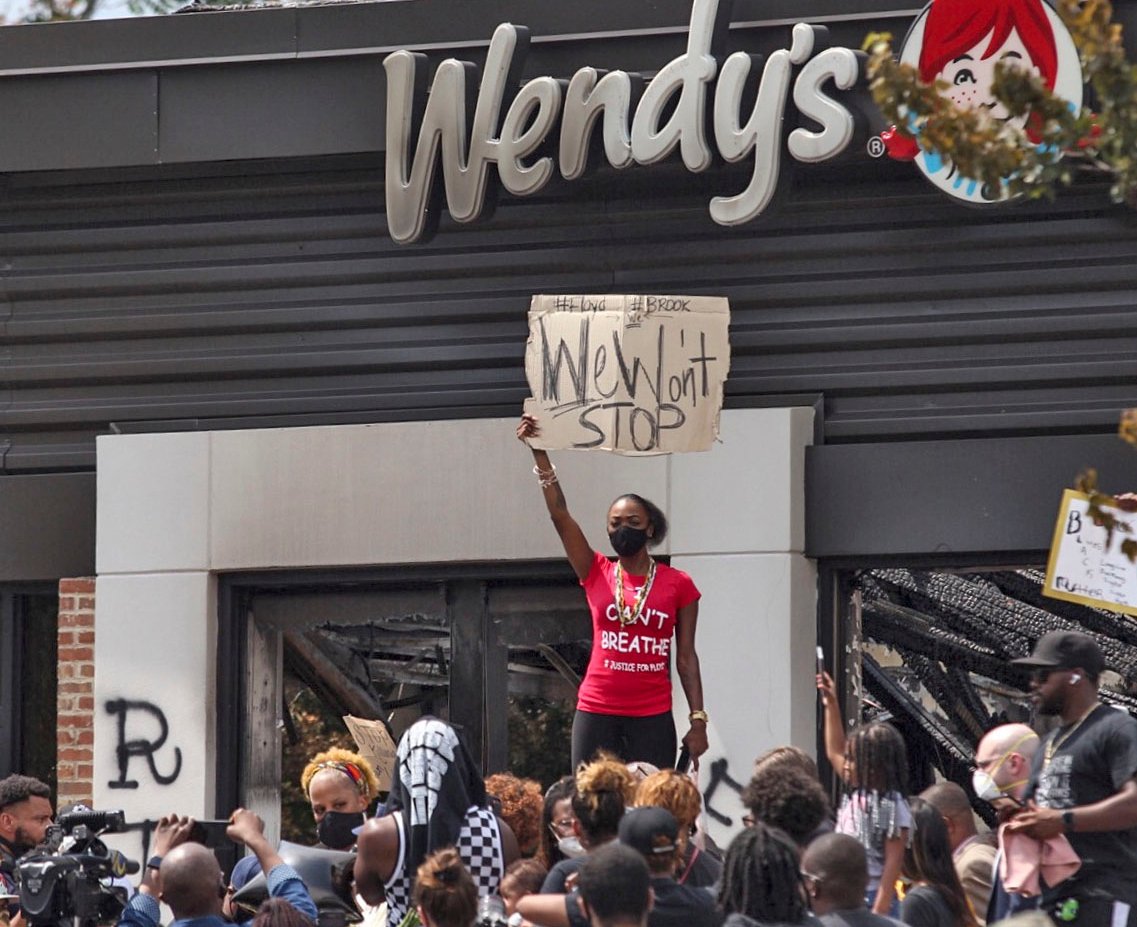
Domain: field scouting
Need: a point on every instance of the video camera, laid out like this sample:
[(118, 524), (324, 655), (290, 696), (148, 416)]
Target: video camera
[(67, 879)]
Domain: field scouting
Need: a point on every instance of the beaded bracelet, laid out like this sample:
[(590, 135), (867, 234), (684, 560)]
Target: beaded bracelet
[(545, 478)]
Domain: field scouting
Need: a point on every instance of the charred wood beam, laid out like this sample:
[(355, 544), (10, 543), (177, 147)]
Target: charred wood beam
[(1116, 634), (951, 604), (947, 694), (893, 624), (897, 700), (969, 700), (925, 733), (310, 661), (561, 665)]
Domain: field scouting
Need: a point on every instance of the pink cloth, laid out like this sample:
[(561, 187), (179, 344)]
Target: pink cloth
[(1023, 861)]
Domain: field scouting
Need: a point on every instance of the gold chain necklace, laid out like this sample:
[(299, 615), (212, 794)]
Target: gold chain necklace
[(1056, 742), (641, 600)]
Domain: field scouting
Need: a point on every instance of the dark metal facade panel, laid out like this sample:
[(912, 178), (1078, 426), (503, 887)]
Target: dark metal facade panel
[(950, 498), (272, 110), (309, 82), (62, 122), (47, 523), (187, 298), (346, 28)]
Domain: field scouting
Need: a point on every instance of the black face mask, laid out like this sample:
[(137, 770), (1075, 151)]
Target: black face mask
[(627, 541), (335, 829)]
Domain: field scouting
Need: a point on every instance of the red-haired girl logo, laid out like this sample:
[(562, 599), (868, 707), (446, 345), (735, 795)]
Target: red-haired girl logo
[(960, 42)]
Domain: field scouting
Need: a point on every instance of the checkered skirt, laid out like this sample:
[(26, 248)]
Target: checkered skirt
[(479, 846)]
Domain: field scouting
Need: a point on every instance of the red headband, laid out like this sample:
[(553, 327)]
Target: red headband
[(353, 772)]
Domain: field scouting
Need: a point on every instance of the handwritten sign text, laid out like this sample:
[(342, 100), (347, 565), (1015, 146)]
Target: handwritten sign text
[(632, 374)]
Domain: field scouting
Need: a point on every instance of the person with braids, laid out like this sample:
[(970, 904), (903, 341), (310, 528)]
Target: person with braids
[(637, 605), (760, 883), (438, 799), (935, 897), (676, 793), (557, 820), (445, 894), (873, 765)]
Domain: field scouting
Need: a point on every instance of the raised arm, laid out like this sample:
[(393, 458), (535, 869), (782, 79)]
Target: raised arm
[(576, 546), (247, 828), (834, 724), (284, 882)]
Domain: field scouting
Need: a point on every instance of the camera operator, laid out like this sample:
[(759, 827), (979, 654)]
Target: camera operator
[(25, 813), (187, 876)]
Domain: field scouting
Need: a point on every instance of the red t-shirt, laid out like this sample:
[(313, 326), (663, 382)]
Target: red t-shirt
[(629, 672)]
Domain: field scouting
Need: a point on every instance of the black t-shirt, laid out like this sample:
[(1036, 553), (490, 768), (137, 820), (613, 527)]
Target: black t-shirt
[(1088, 765), (675, 906), (856, 917), (698, 869), (554, 883), (681, 905), (924, 906)]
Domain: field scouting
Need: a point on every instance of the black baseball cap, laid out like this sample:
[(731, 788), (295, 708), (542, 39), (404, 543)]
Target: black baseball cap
[(650, 831), (1065, 650)]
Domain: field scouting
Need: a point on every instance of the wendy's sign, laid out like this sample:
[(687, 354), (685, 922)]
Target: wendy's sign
[(961, 41), (692, 105)]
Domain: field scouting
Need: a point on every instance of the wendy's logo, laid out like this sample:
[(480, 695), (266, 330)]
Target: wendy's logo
[(960, 42)]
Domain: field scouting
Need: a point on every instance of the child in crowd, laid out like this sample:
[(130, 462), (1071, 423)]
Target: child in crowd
[(444, 892), (523, 877), (873, 765)]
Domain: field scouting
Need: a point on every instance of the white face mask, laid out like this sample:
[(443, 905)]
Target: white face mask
[(984, 782), (985, 786), (571, 847)]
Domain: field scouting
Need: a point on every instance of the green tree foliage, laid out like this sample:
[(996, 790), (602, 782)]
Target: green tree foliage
[(314, 728), (540, 739), (1063, 142)]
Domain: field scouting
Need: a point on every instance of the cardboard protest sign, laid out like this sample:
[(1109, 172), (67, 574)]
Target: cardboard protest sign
[(1082, 567), (630, 374), (375, 745)]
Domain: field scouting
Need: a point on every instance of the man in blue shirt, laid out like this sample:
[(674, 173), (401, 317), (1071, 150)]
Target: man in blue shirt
[(187, 877)]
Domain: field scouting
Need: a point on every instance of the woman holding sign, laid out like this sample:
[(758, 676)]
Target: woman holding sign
[(637, 606)]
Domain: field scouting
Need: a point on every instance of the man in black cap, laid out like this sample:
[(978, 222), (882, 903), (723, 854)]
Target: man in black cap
[(1082, 784), (654, 834)]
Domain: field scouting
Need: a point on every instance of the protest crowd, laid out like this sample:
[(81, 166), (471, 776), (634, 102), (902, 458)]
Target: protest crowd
[(618, 840)]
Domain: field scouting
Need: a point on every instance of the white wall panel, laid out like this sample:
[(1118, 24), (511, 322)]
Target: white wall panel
[(152, 503), (155, 649)]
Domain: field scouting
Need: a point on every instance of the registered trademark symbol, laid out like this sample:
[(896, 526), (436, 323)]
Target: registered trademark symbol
[(875, 147)]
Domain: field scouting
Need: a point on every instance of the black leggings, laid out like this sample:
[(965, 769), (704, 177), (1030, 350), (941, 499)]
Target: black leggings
[(650, 739)]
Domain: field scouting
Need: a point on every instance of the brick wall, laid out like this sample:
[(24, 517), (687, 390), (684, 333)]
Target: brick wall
[(75, 734)]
